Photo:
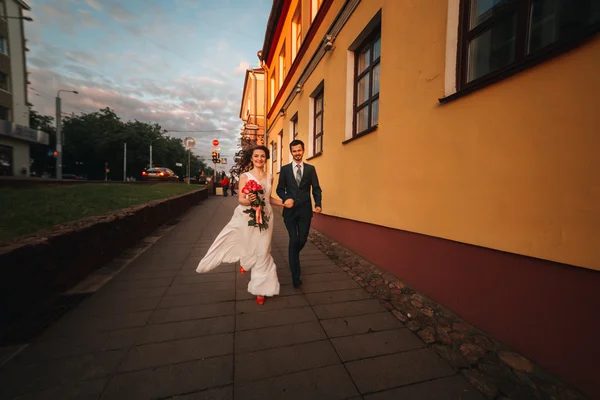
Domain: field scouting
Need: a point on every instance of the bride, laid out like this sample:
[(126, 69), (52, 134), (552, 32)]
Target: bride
[(245, 244)]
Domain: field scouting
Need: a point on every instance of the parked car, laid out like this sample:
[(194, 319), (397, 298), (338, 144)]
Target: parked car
[(74, 176), (159, 174)]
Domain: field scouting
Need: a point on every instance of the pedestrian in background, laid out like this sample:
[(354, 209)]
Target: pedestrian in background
[(225, 185)]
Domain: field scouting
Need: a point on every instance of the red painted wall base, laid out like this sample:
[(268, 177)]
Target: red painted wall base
[(547, 311)]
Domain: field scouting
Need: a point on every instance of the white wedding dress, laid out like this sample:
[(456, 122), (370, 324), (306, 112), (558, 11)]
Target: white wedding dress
[(247, 245)]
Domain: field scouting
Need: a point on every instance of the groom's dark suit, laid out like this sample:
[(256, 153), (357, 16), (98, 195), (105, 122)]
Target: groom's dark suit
[(297, 219)]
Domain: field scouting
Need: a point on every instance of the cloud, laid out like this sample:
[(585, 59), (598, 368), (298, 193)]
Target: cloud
[(132, 58), (82, 57), (184, 103), (94, 4), (119, 13), (241, 69)]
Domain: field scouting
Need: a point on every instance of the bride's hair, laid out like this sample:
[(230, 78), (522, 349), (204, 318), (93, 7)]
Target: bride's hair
[(248, 155)]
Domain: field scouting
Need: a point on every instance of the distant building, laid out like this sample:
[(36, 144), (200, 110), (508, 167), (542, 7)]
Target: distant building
[(458, 147), (15, 134), (252, 109)]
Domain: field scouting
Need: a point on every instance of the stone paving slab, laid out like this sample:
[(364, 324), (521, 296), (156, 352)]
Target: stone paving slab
[(159, 330), (330, 382)]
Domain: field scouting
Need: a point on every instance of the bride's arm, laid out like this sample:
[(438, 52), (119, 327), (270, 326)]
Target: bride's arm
[(274, 200)]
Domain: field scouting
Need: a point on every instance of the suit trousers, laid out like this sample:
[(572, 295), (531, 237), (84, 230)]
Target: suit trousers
[(297, 223)]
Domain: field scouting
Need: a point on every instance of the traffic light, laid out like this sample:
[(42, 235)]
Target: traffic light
[(215, 156)]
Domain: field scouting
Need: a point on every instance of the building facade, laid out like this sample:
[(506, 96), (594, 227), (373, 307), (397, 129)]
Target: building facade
[(15, 134), (456, 143), (252, 109)]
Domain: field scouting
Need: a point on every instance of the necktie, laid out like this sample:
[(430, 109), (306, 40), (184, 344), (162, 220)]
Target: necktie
[(298, 174)]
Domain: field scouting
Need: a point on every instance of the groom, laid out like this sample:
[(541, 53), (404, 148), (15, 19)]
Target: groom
[(295, 182)]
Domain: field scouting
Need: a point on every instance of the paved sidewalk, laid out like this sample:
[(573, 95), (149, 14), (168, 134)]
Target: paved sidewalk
[(160, 330)]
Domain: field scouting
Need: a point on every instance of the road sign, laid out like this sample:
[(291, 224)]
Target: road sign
[(189, 142), (223, 161), (178, 164), (215, 142)]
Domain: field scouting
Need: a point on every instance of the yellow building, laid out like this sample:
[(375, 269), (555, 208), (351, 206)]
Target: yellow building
[(252, 109), (457, 145)]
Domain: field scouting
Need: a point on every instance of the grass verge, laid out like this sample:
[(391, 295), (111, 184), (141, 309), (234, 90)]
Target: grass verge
[(30, 210)]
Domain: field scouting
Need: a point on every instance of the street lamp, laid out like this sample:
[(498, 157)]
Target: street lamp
[(59, 152), (23, 18)]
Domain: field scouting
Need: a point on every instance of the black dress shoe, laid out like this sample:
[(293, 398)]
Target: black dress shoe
[(297, 283)]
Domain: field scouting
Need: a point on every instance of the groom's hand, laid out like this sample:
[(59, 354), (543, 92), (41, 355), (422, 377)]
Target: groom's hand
[(289, 203), (318, 210)]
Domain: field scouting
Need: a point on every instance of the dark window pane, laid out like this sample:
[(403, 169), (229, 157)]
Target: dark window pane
[(6, 160), (552, 20), (375, 112), (318, 104), (362, 94), (318, 144), (482, 10), (364, 59), (362, 119), (376, 79), (377, 49), (492, 49), (318, 124)]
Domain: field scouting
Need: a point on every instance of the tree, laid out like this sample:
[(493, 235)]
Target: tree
[(42, 161), (96, 140)]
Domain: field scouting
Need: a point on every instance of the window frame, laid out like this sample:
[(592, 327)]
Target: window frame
[(369, 41), (319, 95), (273, 154), (523, 59)]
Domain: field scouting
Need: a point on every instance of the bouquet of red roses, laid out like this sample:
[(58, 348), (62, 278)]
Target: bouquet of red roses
[(258, 218)]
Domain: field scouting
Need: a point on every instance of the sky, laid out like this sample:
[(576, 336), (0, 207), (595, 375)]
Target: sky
[(178, 63)]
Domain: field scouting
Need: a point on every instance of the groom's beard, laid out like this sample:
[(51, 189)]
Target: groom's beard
[(298, 158)]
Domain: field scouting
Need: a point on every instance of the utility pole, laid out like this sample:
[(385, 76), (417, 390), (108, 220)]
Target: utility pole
[(125, 162), (59, 151), (189, 165), (150, 155)]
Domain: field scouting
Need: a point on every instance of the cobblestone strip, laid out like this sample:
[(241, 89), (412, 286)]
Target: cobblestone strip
[(493, 368)]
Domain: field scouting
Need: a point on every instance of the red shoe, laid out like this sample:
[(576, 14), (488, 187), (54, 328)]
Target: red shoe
[(242, 270), (260, 300)]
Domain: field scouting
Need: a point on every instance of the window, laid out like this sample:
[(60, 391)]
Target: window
[(273, 155), (3, 45), (4, 113), (4, 81), (280, 150), (296, 31), (272, 90), (6, 161), (282, 67), (294, 121), (497, 35), (315, 5), (318, 123), (366, 84)]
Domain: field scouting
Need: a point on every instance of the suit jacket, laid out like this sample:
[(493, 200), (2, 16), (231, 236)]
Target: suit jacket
[(287, 188)]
